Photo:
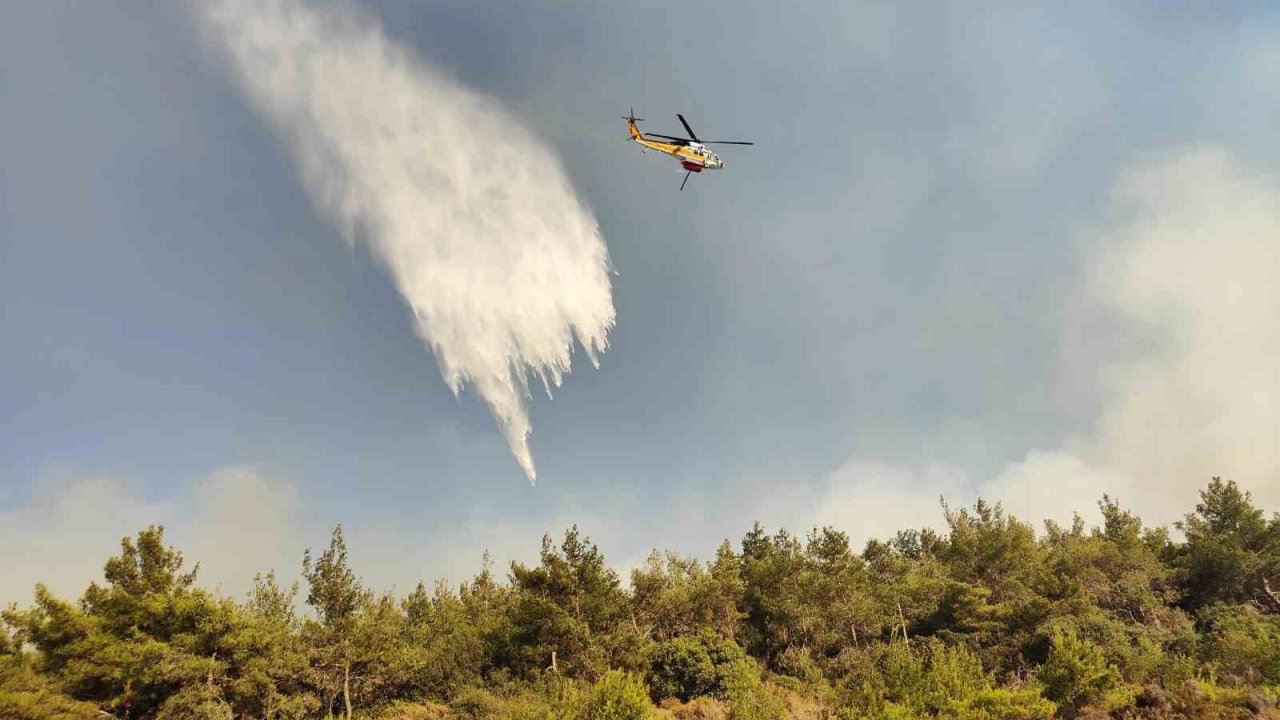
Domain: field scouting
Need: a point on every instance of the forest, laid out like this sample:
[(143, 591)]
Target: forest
[(993, 618)]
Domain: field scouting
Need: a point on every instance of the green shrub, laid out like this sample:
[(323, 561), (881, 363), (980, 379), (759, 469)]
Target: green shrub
[(860, 690), (682, 668), (1135, 650), (1241, 644), (903, 672), (1076, 673), (1176, 670), (746, 694), (616, 696), (414, 711), (1002, 704), (888, 711), (195, 702), (953, 674), (690, 666), (475, 704), (479, 704), (24, 695), (796, 662), (931, 676), (990, 704), (700, 708)]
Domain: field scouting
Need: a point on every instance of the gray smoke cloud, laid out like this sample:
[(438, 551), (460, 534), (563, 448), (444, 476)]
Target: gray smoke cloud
[(503, 266), (1190, 268)]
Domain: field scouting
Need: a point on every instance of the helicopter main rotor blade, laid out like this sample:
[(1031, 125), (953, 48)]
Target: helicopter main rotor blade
[(688, 129), (725, 142), (682, 141)]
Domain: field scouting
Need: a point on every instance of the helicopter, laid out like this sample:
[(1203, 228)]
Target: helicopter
[(692, 152)]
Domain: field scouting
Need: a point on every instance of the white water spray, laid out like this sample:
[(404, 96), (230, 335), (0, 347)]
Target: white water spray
[(474, 217)]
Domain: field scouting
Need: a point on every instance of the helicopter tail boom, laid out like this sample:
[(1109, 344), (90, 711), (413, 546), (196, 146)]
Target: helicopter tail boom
[(631, 124)]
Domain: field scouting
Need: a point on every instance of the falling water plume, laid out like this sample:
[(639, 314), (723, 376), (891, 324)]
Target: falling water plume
[(473, 216)]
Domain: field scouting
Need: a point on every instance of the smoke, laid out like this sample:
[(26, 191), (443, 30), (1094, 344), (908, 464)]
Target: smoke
[(1197, 268), (501, 263), (234, 523), (1191, 270), (1188, 276)]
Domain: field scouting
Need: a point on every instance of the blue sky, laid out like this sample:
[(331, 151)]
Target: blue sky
[(892, 294)]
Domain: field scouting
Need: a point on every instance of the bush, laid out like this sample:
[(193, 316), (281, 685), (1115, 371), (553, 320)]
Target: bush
[(1241, 643), (1176, 671), (954, 674), (888, 711), (478, 704), (701, 708), (1134, 650), (414, 711), (691, 666), (25, 695), (903, 673), (796, 662), (475, 704), (799, 705), (682, 668), (616, 696), (1002, 704), (860, 689), (1153, 697), (195, 702), (931, 676), (747, 696), (1076, 673)]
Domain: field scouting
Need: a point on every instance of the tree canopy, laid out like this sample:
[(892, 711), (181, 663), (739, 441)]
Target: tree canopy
[(991, 618)]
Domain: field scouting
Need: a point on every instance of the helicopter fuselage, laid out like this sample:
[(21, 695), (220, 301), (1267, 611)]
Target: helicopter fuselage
[(694, 157)]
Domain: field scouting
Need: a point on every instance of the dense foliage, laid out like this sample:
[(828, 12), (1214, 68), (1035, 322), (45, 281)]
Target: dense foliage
[(987, 621)]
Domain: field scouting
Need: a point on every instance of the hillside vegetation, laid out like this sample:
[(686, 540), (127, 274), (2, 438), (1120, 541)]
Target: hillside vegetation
[(989, 620)]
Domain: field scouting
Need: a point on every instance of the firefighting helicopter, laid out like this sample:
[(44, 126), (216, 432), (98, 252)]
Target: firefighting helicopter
[(692, 152)]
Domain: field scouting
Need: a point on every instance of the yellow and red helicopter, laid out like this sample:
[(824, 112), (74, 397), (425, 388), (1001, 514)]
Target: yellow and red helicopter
[(692, 152)]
